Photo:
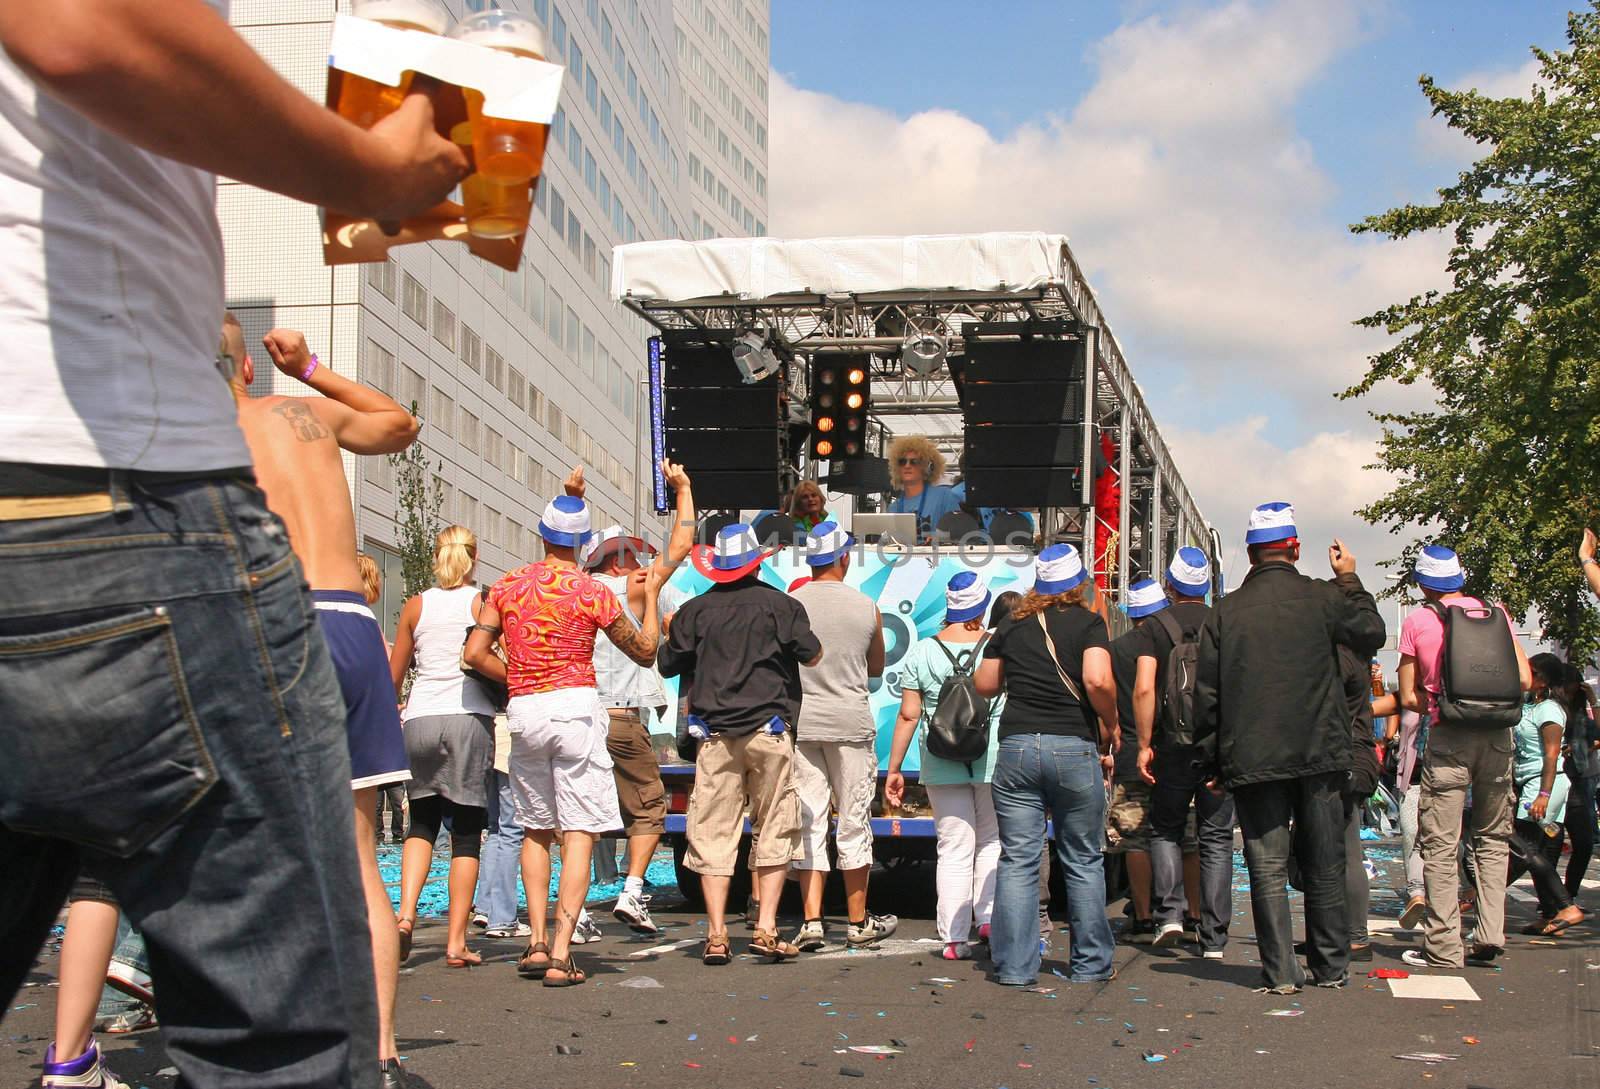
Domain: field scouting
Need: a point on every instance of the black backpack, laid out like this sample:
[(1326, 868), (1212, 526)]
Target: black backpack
[(1481, 684), (958, 729), (1175, 717)]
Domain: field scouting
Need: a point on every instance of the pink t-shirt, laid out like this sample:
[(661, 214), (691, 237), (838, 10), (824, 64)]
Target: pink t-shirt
[(1422, 637)]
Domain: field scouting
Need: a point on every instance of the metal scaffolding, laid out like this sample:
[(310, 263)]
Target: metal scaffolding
[(1157, 514)]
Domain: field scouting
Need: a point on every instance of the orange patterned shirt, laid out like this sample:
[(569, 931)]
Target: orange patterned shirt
[(549, 614)]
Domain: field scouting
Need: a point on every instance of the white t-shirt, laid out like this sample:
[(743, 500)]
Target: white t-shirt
[(112, 275)]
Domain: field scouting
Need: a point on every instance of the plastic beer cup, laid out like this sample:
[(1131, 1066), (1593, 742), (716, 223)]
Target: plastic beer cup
[(505, 151), (364, 101), (493, 209)]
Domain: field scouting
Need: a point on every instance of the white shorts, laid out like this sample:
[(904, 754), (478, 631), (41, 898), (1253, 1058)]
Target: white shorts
[(829, 776), (561, 777)]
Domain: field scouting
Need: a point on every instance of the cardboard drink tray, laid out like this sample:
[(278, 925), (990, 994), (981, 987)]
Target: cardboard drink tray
[(514, 88)]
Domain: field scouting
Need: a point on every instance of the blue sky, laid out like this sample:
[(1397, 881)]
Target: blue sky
[(1024, 60), (1205, 158)]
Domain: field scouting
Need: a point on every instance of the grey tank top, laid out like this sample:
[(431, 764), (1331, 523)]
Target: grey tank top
[(834, 706)]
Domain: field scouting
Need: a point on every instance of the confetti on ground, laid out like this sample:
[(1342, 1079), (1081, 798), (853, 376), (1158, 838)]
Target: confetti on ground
[(642, 983), (1285, 1013)]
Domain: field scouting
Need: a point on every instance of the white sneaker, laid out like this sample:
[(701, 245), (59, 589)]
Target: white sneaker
[(515, 930), (1418, 959), (586, 931), (811, 937), (1167, 935), (130, 980), (634, 909), (84, 1072), (874, 929), (958, 951), (479, 919)]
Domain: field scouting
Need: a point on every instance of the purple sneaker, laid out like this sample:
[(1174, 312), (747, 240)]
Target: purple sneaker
[(84, 1072)]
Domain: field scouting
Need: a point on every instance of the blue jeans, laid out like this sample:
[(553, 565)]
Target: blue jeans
[(1038, 776), (129, 950), (169, 712), (1314, 804), (502, 855)]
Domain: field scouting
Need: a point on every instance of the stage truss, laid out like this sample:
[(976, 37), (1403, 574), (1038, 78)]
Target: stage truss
[(876, 323)]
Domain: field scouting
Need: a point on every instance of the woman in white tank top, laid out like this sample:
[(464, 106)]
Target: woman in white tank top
[(449, 729)]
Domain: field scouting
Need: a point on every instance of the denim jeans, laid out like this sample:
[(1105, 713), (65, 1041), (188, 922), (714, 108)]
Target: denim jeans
[(1038, 776), (168, 709), (1357, 889), (1169, 813), (502, 853), (1316, 806), (129, 950)]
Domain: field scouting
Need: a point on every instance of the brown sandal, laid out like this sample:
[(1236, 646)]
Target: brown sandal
[(766, 943), (574, 974), (717, 951), (529, 968), (405, 926)]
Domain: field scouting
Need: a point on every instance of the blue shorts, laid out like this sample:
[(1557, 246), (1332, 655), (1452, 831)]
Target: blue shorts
[(372, 719)]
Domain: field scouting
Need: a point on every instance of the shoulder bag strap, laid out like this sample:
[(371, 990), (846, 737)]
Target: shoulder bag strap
[(1168, 625), (1050, 648)]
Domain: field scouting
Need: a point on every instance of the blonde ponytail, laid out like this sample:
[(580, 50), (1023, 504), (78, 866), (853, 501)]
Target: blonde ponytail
[(455, 553)]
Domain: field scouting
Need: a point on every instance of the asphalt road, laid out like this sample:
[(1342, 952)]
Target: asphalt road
[(659, 1018)]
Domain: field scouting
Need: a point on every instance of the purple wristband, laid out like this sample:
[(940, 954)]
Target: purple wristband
[(305, 375)]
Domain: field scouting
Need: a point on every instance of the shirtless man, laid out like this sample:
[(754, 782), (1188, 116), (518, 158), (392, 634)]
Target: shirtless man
[(295, 444)]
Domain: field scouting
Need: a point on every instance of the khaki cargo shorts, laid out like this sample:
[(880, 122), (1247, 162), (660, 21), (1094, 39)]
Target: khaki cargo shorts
[(728, 770), (640, 795)]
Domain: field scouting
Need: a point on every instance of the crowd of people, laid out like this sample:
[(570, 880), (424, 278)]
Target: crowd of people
[(201, 718)]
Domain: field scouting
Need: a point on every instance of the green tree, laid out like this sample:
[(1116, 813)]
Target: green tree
[(420, 496), (1504, 468)]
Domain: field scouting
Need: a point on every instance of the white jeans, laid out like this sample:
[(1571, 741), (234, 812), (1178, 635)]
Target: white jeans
[(969, 853), (829, 775)]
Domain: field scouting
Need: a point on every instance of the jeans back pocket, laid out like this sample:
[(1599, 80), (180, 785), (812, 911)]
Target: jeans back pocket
[(101, 745)]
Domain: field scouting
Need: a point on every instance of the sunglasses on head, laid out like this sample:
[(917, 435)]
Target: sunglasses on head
[(910, 461)]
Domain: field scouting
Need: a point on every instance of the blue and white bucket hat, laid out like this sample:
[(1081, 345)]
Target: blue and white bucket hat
[(1439, 569), (1190, 572), (1145, 597), (566, 522), (965, 598), (1058, 569), (825, 543), (1271, 522), (735, 554)]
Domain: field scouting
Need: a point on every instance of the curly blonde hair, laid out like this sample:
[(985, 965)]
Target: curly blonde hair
[(919, 446), (455, 554), (1033, 602)]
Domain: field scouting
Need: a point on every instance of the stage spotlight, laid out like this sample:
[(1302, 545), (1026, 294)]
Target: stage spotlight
[(923, 354), (751, 354)]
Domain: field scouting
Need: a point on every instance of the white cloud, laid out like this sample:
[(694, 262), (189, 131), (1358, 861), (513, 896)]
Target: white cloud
[(1324, 477), (1199, 212)]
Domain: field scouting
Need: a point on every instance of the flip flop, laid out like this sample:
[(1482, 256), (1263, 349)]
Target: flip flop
[(1557, 926)]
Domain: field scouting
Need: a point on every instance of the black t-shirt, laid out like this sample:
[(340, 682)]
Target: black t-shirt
[(1036, 700), (1126, 650), (743, 643)]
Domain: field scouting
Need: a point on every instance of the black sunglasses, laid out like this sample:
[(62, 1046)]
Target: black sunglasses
[(910, 461)]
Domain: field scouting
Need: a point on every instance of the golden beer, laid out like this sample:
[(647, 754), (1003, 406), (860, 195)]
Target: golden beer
[(493, 209), (364, 101), (507, 152)]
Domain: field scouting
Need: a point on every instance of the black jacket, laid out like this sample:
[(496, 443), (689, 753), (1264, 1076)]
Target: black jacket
[(1270, 697)]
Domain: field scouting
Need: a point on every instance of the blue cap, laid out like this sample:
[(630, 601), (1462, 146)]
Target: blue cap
[(1058, 569), (1190, 572), (825, 543), (1145, 597), (1271, 522)]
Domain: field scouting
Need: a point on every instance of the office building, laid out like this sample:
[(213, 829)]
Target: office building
[(661, 133)]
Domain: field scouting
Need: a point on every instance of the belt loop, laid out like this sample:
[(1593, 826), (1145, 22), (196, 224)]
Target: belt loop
[(121, 499)]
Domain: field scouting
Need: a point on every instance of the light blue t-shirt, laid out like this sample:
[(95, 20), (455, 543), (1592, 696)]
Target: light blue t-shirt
[(1528, 770), (925, 669), (935, 501)]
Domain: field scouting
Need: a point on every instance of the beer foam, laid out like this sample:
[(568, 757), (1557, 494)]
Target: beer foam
[(504, 31), (425, 15)]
